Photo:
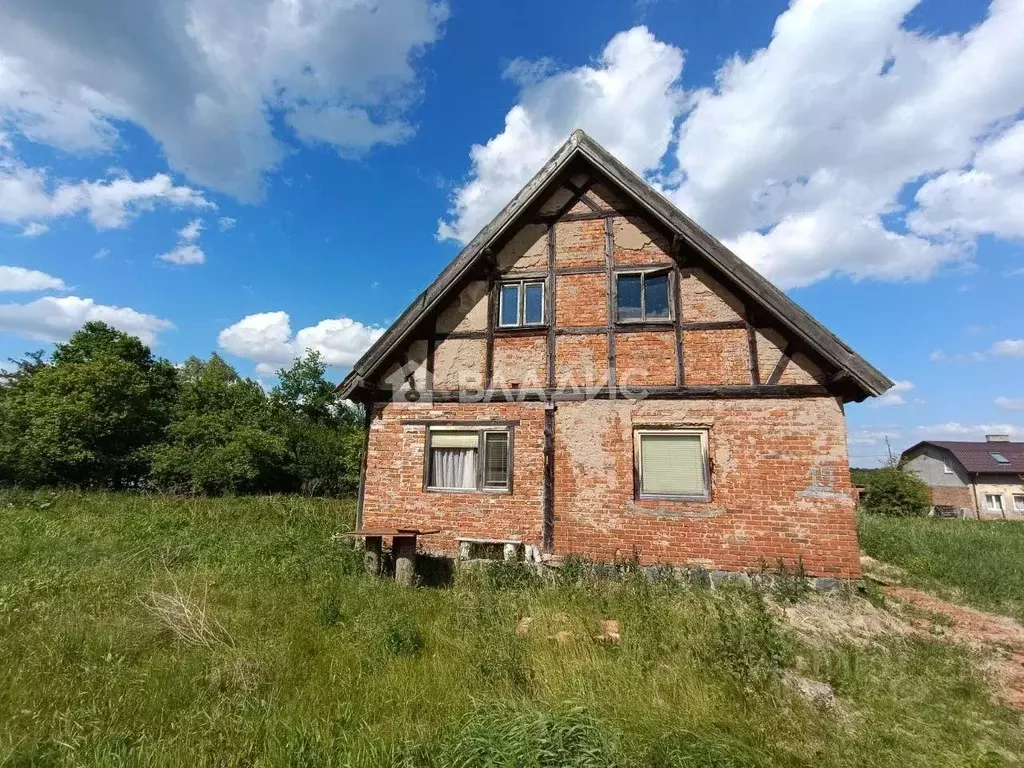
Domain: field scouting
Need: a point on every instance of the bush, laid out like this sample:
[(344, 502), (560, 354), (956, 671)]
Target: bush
[(896, 493), (89, 417)]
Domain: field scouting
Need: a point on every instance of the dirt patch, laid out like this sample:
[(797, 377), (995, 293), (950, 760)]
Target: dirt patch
[(824, 620), (997, 640), (1000, 638)]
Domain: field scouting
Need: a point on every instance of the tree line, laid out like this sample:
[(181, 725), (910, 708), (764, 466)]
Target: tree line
[(102, 412)]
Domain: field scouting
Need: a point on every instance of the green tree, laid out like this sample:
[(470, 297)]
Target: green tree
[(895, 492), (224, 435), (325, 434), (90, 417)]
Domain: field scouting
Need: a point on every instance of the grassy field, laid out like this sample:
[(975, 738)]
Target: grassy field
[(148, 631), (978, 563)]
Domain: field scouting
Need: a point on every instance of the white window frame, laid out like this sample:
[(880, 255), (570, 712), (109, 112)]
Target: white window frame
[(521, 302), (990, 506), (638, 469), (482, 431), (1018, 502), (644, 274)]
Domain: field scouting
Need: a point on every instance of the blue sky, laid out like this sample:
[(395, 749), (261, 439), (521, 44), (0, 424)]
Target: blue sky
[(258, 178)]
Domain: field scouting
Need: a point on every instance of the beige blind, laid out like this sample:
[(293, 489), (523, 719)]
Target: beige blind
[(672, 465), (445, 439)]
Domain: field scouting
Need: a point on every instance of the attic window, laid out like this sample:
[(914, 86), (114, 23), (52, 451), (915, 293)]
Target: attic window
[(642, 296), (521, 303), (1000, 459)]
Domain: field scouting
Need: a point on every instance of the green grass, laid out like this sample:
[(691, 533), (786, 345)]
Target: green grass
[(981, 563), (308, 663)]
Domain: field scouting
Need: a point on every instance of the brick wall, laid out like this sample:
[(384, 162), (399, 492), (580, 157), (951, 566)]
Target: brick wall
[(582, 299), (646, 358), (394, 492), (780, 483), (952, 496), (716, 357)]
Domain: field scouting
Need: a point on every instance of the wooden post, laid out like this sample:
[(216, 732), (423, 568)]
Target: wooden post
[(404, 549), (548, 521), (372, 555)]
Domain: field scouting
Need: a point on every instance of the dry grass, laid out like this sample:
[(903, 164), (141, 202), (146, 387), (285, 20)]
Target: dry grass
[(186, 615)]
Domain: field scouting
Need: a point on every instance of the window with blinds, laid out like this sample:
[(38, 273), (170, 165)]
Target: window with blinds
[(470, 459), (496, 460), (672, 464)]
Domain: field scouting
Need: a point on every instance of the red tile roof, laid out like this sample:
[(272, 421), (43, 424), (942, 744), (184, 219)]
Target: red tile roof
[(977, 457)]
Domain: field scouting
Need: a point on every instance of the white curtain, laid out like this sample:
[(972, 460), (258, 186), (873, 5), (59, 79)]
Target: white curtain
[(453, 468)]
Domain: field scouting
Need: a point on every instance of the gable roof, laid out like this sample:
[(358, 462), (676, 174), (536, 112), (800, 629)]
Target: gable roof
[(868, 380), (976, 457)]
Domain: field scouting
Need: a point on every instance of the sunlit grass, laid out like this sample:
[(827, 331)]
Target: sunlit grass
[(308, 663), (981, 562)]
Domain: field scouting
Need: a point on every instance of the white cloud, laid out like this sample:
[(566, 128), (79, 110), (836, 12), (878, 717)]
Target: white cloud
[(628, 100), (801, 155), (350, 130), (56, 319), (187, 251), (1010, 403), (954, 430), (800, 152), (35, 229), (985, 198), (266, 338), (206, 77), (1008, 348), (184, 254), (939, 356), (190, 232), (26, 195), (895, 396), (225, 223), (21, 279), (872, 436)]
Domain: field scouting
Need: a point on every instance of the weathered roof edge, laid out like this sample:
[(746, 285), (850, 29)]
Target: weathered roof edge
[(873, 381), (455, 269)]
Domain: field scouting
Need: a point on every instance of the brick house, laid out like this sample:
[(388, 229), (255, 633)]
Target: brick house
[(595, 374), (984, 480)]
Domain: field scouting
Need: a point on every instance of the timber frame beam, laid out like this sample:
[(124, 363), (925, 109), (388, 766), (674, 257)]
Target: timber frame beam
[(634, 392)]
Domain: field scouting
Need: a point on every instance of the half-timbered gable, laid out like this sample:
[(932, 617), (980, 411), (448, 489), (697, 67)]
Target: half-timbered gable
[(589, 326)]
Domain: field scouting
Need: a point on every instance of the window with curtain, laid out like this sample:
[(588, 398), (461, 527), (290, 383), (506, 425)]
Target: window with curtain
[(453, 457), (471, 460), (994, 502), (672, 464)]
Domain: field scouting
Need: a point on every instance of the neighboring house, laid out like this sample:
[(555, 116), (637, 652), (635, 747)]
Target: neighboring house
[(595, 374), (975, 479)]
